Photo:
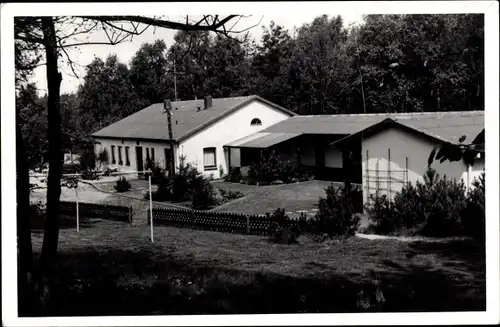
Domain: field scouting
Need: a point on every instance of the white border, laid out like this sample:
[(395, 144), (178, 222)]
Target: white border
[(9, 279)]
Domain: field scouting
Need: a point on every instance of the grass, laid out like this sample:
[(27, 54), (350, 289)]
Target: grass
[(112, 268), (262, 199)]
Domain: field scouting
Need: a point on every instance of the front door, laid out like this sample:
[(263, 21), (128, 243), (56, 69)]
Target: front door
[(138, 157)]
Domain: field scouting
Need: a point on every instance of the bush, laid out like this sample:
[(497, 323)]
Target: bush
[(229, 195), (102, 156), (270, 170), (234, 175), (266, 171), (474, 216), (203, 196), (90, 175), (88, 159), (436, 207), (281, 231), (122, 185), (337, 214)]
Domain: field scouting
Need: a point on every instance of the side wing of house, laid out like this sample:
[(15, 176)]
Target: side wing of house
[(394, 156), (131, 154), (205, 149)]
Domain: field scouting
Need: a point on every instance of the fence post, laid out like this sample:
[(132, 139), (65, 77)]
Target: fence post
[(151, 208), (77, 212), (248, 224)]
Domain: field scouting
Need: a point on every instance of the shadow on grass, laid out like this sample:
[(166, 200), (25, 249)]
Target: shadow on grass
[(65, 222), (147, 283)]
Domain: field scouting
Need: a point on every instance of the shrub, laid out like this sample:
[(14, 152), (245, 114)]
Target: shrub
[(229, 195), (88, 159), (266, 171), (203, 196), (474, 215), (102, 156), (122, 185), (221, 171), (435, 207), (90, 175), (281, 231), (234, 175), (336, 215)]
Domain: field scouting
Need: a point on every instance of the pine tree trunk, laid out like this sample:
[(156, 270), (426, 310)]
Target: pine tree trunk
[(50, 240)]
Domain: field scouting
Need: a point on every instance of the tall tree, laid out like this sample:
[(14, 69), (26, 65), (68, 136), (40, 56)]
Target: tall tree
[(50, 35), (270, 64), (107, 89), (319, 66), (149, 73), (190, 54)]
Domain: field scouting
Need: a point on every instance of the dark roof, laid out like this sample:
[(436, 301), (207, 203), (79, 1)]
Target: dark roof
[(151, 122), (444, 126), (261, 140)]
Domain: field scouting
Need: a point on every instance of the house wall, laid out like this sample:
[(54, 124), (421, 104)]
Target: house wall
[(230, 128), (159, 149), (402, 145)]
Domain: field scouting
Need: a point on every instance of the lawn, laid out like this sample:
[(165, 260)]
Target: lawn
[(112, 268), (261, 199)]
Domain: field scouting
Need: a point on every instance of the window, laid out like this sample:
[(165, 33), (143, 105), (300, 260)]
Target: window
[(147, 154), (209, 159), (255, 121), (127, 158), (152, 154), (113, 159), (120, 161)]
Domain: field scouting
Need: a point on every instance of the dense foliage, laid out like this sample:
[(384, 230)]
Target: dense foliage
[(436, 207), (388, 63), (122, 185), (337, 214)]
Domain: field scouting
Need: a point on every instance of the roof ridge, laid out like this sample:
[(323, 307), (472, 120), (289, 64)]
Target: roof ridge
[(201, 99), (396, 113)]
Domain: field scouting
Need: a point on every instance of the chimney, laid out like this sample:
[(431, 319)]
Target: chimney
[(167, 105), (208, 102)]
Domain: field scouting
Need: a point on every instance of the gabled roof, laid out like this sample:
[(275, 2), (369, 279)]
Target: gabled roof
[(447, 126), (151, 123), (440, 126)]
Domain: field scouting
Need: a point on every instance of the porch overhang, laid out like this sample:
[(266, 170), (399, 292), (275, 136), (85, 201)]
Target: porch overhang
[(261, 140)]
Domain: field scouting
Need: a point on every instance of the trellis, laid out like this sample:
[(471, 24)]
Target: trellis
[(384, 179)]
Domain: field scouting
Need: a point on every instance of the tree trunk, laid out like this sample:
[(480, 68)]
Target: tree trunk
[(25, 259), (50, 240)]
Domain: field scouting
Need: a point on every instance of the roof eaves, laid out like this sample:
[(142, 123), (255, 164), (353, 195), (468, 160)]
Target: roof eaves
[(388, 122), (230, 111)]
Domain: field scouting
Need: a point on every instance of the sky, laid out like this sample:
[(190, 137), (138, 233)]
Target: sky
[(83, 55)]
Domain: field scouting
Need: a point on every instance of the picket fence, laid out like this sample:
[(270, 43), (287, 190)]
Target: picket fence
[(214, 221), (94, 210)]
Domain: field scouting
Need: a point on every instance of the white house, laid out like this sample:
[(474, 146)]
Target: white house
[(380, 151), (395, 151), (200, 129)]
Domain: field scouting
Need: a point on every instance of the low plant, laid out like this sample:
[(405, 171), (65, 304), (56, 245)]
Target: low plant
[(234, 175), (90, 175), (229, 195), (435, 207), (221, 171), (281, 230), (122, 185), (336, 214)]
